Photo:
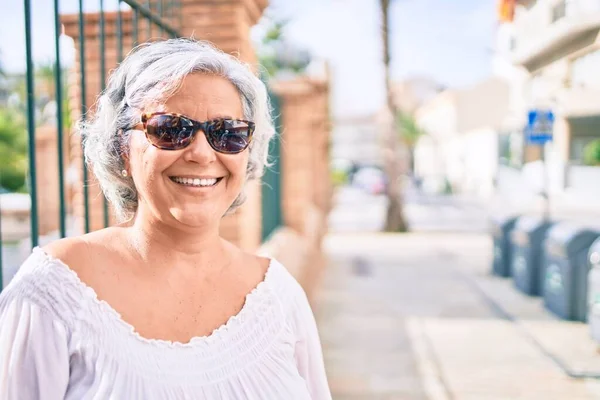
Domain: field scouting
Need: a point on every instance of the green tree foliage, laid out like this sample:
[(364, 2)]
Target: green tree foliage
[(275, 54), (408, 129), (13, 126), (13, 151), (409, 132), (591, 153)]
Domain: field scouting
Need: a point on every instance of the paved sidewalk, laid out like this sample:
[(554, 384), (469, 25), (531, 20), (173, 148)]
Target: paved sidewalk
[(416, 316)]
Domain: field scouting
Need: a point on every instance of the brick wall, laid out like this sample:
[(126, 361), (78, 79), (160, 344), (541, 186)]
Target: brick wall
[(226, 23), (306, 184), (47, 179), (304, 148)]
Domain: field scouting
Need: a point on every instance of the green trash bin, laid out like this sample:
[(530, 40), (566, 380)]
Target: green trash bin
[(527, 239), (501, 228), (593, 311), (566, 270)]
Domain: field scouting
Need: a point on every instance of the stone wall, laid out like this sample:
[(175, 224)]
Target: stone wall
[(306, 185)]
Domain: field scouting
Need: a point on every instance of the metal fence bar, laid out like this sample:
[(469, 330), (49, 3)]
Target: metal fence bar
[(159, 10), (180, 15), (152, 17), (271, 188), (119, 33), (135, 33), (59, 123), (149, 22), (31, 125), (102, 87), (169, 11), (86, 202)]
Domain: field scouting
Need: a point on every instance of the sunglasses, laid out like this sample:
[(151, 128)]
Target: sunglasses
[(169, 131)]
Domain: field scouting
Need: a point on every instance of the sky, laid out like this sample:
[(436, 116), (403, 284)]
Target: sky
[(448, 40)]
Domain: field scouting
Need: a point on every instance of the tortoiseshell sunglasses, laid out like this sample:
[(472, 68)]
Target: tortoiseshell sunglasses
[(169, 131)]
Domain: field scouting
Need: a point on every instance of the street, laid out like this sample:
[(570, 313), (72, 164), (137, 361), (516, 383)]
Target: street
[(357, 211), (418, 316)]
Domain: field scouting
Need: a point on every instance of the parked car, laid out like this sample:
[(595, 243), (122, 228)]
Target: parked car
[(370, 179)]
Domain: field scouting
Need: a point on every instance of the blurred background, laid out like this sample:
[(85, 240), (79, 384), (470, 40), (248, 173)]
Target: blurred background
[(435, 177)]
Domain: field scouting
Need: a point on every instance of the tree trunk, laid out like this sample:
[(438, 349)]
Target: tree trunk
[(395, 217)]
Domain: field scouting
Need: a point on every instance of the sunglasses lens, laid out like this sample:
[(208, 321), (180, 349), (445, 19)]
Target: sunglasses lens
[(170, 132), (230, 136)]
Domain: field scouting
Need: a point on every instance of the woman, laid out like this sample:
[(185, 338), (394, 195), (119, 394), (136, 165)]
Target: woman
[(161, 307)]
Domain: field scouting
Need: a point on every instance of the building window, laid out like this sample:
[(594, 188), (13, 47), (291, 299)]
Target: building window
[(562, 9), (584, 71), (577, 148), (512, 44)]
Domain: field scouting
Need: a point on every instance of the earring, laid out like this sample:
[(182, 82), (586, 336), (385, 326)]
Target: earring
[(124, 173)]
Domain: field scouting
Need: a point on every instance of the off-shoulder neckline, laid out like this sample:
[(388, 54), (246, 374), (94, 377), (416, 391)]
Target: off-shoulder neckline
[(252, 301)]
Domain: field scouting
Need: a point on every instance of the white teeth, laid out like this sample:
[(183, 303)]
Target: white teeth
[(195, 181)]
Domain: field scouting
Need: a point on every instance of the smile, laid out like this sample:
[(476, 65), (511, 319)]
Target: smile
[(196, 182)]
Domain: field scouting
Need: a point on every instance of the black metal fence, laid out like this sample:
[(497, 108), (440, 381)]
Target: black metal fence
[(163, 16)]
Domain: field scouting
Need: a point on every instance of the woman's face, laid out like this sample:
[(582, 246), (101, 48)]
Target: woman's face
[(201, 97)]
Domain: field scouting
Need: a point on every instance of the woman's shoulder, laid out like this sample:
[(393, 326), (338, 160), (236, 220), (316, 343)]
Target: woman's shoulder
[(284, 284), (79, 253), (68, 251), (50, 277), (45, 280)]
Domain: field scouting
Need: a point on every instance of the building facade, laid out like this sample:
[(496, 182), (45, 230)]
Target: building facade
[(461, 144), (549, 52), (554, 46)]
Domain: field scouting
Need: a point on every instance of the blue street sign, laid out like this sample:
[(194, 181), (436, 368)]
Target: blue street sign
[(540, 126)]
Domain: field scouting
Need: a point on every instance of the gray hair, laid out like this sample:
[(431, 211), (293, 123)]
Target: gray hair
[(151, 73)]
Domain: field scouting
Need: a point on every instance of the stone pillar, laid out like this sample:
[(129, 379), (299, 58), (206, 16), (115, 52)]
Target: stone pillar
[(297, 162), (46, 149), (322, 178), (305, 148), (306, 186), (226, 23)]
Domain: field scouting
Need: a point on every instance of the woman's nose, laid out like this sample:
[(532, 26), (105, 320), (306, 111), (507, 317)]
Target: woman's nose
[(199, 150)]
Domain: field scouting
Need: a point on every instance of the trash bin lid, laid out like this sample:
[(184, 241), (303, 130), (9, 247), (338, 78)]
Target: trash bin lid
[(529, 223), (500, 222), (502, 219), (567, 238)]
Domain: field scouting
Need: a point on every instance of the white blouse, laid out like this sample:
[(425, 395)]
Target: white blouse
[(58, 340)]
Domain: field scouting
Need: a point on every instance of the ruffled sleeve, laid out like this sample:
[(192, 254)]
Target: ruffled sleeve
[(308, 352), (34, 360), (34, 355)]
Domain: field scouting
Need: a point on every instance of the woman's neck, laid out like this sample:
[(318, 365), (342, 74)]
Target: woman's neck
[(158, 243)]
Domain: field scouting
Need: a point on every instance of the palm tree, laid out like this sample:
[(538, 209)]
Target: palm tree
[(395, 221), (409, 132)]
